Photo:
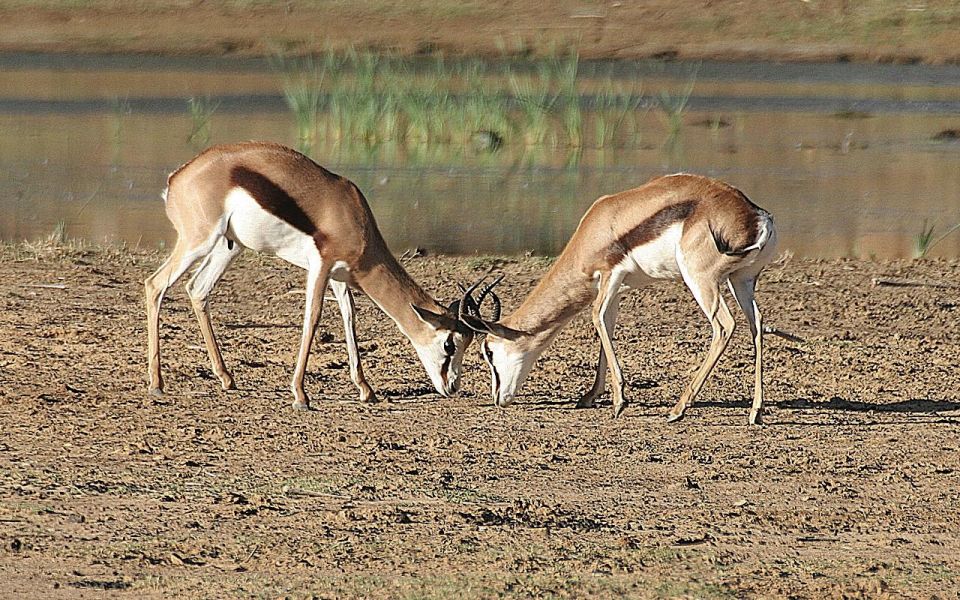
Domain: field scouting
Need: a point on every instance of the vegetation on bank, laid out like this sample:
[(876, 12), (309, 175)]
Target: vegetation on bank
[(368, 98)]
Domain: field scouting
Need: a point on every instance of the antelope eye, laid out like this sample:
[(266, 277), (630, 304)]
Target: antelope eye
[(449, 347)]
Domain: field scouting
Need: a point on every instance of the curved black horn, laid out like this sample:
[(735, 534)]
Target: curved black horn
[(488, 289), (468, 306), (496, 306), (467, 302)]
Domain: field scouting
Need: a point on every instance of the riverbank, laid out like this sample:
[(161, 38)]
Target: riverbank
[(823, 31)]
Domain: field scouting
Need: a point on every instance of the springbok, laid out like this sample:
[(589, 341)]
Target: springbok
[(272, 199), (679, 226)]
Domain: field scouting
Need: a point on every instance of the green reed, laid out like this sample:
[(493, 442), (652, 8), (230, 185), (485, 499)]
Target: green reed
[(674, 106), (617, 109), (925, 240), (201, 110), (369, 99), (121, 110), (303, 92)]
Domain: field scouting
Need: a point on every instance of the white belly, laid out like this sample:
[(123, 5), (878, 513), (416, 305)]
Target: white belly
[(255, 228), (654, 260)]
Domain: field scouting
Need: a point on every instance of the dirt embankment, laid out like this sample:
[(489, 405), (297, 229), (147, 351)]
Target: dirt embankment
[(816, 30), (850, 490)]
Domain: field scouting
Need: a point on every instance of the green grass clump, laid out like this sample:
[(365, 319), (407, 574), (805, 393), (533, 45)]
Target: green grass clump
[(367, 99), (303, 92), (926, 239), (201, 110), (673, 107), (616, 109)]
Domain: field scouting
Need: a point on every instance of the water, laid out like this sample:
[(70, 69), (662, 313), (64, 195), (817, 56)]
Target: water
[(842, 155)]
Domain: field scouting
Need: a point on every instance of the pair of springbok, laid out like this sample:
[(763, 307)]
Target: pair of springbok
[(273, 199)]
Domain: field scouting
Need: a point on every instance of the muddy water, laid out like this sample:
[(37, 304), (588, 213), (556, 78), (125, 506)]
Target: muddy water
[(843, 155)]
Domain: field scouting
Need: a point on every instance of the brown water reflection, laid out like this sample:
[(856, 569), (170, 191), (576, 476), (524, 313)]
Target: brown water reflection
[(837, 186)]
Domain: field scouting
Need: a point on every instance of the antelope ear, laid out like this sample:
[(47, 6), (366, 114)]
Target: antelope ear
[(435, 320), (491, 328), (454, 307)]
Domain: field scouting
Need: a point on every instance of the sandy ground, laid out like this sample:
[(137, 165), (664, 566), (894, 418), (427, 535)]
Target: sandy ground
[(822, 30), (850, 490)]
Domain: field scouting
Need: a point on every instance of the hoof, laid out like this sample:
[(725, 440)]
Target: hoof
[(156, 392), (755, 418), (618, 408), (368, 397), (301, 405), (586, 403), (228, 384), (674, 417)]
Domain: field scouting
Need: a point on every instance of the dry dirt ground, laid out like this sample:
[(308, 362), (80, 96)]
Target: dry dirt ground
[(851, 489), (825, 30)]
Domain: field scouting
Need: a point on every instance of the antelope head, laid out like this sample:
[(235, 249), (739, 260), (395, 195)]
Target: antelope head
[(442, 347), (509, 362)]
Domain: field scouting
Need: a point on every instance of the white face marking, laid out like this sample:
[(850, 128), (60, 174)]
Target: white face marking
[(509, 368), (257, 229), (442, 358)]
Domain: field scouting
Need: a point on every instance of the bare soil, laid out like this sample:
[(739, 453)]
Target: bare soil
[(850, 490), (811, 30)]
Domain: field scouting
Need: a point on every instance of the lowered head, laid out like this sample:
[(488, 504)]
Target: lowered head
[(503, 348)]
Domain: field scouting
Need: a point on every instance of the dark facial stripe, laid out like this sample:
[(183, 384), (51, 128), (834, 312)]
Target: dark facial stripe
[(446, 363), (275, 200), (496, 376), (650, 229)]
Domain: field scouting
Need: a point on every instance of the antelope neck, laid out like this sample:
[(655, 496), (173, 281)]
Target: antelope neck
[(562, 293), (389, 285)]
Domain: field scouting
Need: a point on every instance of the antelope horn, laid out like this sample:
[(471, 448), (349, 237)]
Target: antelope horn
[(488, 289), (467, 304), (470, 305), (496, 306)]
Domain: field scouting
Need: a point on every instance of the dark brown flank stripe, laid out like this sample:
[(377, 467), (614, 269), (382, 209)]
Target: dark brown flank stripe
[(650, 229), (275, 200)]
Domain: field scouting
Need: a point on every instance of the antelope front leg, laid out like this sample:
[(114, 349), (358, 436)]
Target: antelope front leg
[(316, 284), (599, 381), (345, 301)]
